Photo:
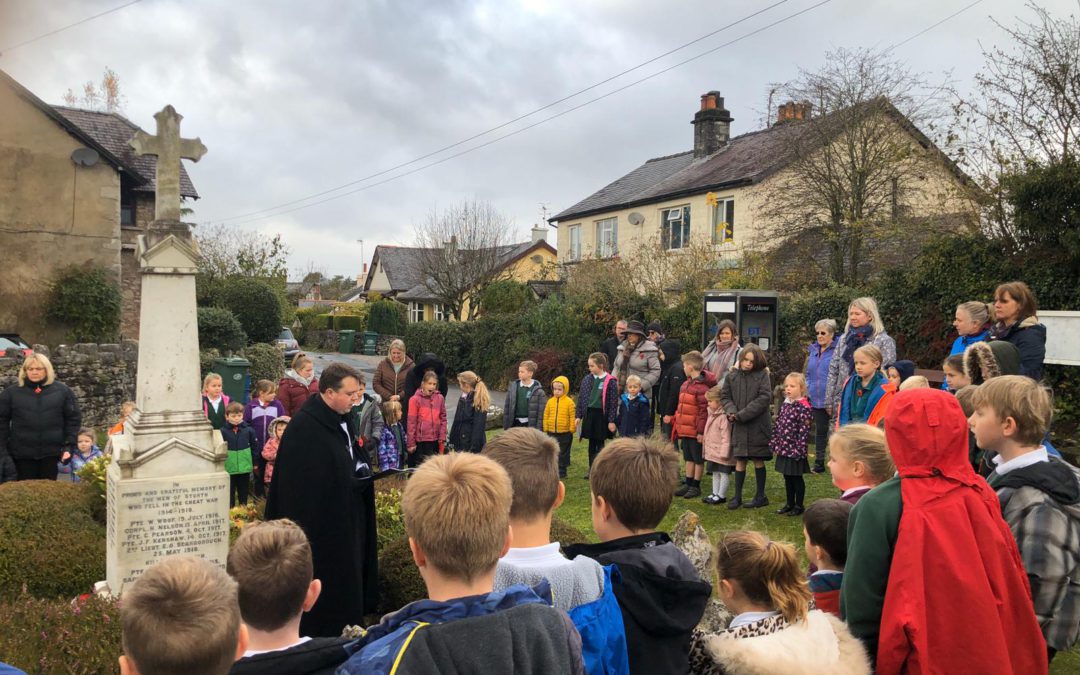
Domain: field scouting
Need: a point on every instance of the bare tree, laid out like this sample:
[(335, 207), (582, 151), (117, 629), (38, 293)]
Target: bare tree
[(852, 159), (462, 250), (105, 97), (1025, 108)]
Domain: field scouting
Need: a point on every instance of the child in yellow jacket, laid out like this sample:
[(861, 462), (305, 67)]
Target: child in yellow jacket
[(559, 420)]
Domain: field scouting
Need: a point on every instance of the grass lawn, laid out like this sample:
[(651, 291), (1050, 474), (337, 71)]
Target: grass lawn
[(718, 519)]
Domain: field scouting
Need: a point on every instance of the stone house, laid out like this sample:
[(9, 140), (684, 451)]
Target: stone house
[(75, 194), (397, 272), (718, 192)]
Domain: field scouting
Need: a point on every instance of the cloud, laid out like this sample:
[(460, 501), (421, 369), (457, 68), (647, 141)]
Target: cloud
[(295, 98)]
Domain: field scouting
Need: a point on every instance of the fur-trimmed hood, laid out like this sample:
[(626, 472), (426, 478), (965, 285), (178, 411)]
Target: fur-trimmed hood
[(986, 360), (820, 645)]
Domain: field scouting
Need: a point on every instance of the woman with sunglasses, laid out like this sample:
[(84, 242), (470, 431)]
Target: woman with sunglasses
[(821, 352)]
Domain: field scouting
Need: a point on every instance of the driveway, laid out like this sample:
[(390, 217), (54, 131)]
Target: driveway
[(367, 364)]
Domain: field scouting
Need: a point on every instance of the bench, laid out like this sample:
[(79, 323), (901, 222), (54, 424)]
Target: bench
[(935, 377)]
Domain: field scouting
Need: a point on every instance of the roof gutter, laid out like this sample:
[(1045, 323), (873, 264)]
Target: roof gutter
[(742, 182)]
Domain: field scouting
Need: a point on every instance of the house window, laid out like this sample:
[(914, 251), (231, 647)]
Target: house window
[(607, 237), (675, 227), (416, 312), (723, 222), (127, 208), (575, 243), (440, 312)]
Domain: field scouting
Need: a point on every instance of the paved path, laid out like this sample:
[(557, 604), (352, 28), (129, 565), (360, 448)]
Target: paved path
[(366, 364)]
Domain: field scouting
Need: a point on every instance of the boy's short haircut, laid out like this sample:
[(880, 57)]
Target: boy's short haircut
[(234, 407), (1021, 398), (871, 352), (271, 563), (265, 387), (456, 509), (694, 360), (181, 617), (826, 525), (637, 477), (361, 379), (965, 396), (914, 382), (531, 459), (600, 359), (529, 366), (633, 379)]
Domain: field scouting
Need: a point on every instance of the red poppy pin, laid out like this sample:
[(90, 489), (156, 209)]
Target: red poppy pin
[(37, 390)]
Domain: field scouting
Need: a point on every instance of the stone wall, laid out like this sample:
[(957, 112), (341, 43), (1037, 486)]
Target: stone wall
[(130, 277), (382, 343), (102, 376)]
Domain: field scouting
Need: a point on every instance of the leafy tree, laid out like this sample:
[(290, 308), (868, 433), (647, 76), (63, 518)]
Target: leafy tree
[(105, 97), (230, 252), (219, 329), (255, 306), (1045, 202), (386, 317), (505, 296)]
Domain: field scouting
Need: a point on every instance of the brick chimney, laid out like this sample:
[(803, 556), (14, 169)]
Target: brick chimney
[(712, 125), (792, 111)]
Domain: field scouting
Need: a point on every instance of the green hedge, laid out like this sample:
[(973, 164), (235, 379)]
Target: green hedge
[(219, 330), (55, 636), (267, 361), (49, 540), (255, 305), (387, 317), (325, 321), (87, 301), (348, 322)]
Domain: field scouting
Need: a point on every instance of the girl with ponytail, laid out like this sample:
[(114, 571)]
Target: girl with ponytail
[(469, 431), (774, 629)]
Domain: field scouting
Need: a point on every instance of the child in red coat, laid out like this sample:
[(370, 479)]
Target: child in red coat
[(426, 428), (690, 417)]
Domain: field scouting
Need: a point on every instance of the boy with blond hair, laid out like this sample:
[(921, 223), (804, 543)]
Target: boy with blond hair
[(661, 594), (581, 586), (456, 509), (180, 617), (271, 563), (1040, 499)]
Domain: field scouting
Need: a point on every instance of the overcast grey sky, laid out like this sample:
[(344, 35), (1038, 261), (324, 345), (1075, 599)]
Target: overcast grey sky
[(294, 98)]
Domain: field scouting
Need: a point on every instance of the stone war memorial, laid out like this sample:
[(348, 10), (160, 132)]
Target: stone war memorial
[(167, 489)]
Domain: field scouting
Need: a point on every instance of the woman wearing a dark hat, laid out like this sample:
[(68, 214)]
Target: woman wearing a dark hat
[(639, 356)]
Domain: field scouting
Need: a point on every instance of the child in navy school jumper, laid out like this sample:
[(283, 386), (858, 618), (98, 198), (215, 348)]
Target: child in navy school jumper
[(597, 405), (635, 415), (825, 542)]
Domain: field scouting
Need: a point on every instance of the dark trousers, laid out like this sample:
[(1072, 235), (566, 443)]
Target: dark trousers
[(37, 469), (564, 440), (795, 490), (518, 423), (258, 486), (238, 489), (424, 449), (821, 436), (666, 429)]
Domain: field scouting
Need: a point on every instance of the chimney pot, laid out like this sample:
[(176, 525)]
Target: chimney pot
[(794, 111)]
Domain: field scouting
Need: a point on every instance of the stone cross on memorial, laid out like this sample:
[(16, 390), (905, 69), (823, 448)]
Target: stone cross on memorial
[(170, 149)]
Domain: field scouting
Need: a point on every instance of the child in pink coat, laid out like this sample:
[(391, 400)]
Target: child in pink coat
[(716, 447)]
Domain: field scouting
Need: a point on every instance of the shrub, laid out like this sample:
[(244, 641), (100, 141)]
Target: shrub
[(87, 301), (450, 340), (387, 317), (267, 361), (41, 519), (219, 330), (326, 321), (348, 322), (94, 475), (206, 362), (309, 321), (61, 636), (505, 296), (399, 581), (255, 306), (388, 520)]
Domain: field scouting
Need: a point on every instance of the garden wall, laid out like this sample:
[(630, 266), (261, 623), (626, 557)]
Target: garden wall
[(102, 376)]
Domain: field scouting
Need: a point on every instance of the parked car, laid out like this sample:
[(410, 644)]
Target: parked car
[(9, 340), (287, 342)]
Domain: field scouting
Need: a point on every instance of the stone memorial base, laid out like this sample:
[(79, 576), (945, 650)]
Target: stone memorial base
[(151, 518)]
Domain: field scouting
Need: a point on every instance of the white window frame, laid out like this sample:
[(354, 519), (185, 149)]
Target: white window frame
[(607, 237), (723, 212), (440, 312), (666, 226), (416, 312), (574, 235)]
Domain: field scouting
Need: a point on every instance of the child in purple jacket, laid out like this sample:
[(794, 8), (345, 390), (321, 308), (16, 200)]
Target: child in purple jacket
[(788, 443)]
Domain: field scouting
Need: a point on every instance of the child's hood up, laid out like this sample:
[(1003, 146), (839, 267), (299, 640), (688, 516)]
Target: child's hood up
[(561, 379)]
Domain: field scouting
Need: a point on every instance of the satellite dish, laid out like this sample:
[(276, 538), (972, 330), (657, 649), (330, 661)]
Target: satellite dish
[(636, 218), (85, 157)]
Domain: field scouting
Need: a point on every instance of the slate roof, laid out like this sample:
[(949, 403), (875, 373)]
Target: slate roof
[(113, 131), (404, 267), (745, 159)]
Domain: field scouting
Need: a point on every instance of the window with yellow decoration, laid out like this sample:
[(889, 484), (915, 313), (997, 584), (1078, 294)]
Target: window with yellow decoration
[(723, 221)]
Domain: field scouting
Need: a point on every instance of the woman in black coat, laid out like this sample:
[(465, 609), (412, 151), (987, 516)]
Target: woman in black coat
[(39, 420), (1017, 324)]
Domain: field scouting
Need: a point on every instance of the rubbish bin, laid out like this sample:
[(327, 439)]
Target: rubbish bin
[(370, 337), (346, 341), (234, 376)]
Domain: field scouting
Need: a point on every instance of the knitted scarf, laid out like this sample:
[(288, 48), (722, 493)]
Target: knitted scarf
[(719, 355), (853, 339), (624, 367)]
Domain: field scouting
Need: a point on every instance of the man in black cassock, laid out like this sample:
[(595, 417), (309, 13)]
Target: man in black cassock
[(324, 483)]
